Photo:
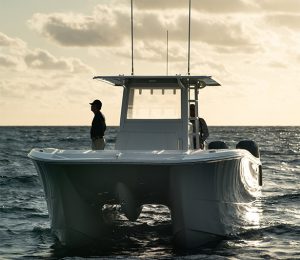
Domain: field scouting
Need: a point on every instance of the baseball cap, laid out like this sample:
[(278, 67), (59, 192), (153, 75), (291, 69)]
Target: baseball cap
[(96, 102)]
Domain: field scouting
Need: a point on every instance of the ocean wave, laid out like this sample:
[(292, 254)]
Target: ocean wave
[(37, 215), (11, 139), (266, 153), (68, 139), (277, 229), (4, 161), (21, 209), (292, 152), (293, 197), (110, 140), (28, 180), (6, 232), (295, 161), (41, 230)]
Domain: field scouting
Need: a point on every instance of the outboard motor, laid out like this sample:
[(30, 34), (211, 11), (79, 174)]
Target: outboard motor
[(250, 146), (217, 145)]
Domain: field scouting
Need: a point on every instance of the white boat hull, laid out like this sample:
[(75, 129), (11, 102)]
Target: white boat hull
[(208, 192)]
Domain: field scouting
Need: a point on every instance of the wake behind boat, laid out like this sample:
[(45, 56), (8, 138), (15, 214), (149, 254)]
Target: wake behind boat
[(208, 191)]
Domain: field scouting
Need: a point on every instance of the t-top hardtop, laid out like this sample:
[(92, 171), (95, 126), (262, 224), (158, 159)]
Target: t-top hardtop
[(186, 81)]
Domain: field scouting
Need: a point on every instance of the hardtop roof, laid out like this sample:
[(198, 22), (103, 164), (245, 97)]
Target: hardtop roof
[(123, 80)]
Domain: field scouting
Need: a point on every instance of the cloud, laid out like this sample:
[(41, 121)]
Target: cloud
[(29, 87), (290, 6), (291, 21), (21, 57), (249, 49), (213, 6), (6, 41), (278, 65), (11, 89), (79, 67), (103, 28), (154, 51), (42, 86), (109, 27), (7, 61), (214, 32), (225, 6), (43, 60), (55, 72)]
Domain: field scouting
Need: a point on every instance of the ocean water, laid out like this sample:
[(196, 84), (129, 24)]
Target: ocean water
[(25, 228)]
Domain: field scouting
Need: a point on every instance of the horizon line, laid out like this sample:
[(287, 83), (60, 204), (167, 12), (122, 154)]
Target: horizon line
[(119, 126)]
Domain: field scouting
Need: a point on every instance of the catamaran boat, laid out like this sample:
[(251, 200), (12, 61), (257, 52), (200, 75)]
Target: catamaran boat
[(157, 160)]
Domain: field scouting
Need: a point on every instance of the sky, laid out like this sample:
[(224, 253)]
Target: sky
[(51, 49)]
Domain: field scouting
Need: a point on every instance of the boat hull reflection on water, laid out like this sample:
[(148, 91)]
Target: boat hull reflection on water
[(208, 192)]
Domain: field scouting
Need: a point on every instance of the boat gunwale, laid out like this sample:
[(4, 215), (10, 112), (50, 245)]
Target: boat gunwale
[(206, 156)]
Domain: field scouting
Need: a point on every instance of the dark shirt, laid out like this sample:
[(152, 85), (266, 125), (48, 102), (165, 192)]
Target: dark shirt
[(203, 132), (98, 126)]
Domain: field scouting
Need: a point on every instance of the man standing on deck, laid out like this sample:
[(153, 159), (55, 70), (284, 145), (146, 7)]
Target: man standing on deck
[(203, 129), (98, 126)]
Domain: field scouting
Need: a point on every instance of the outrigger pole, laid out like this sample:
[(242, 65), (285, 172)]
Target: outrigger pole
[(167, 53), (189, 37), (132, 71)]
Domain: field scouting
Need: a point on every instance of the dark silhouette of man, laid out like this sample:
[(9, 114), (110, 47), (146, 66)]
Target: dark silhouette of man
[(98, 126), (203, 129)]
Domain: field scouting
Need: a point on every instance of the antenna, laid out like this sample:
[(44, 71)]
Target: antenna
[(189, 37), (132, 71), (167, 52)]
